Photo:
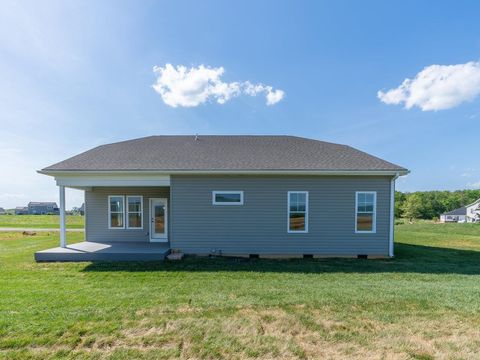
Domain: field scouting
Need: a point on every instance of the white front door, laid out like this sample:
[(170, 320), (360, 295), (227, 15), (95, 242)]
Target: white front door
[(158, 220)]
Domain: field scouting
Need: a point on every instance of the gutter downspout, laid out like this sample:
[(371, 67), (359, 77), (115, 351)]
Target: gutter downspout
[(392, 215)]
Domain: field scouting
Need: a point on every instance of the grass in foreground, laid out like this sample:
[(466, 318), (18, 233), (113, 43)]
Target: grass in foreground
[(423, 304), (40, 221)]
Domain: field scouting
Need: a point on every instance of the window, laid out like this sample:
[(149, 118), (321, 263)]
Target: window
[(120, 213), (227, 197), (116, 212), (365, 211), (298, 211), (134, 212)]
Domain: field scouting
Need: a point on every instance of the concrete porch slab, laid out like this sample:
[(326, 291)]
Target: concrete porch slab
[(106, 251)]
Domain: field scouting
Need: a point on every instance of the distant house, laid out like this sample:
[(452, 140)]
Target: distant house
[(473, 211), (2, 211), (21, 210), (469, 213), (457, 215), (43, 208), (81, 209)]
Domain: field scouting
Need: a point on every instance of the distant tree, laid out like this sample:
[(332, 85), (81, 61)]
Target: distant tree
[(430, 204), (412, 207), (399, 201)]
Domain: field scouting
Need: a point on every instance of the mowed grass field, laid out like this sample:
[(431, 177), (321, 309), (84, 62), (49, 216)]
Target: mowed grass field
[(424, 304), (40, 221)]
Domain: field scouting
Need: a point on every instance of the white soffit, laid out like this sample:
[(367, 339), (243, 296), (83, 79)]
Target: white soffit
[(112, 180)]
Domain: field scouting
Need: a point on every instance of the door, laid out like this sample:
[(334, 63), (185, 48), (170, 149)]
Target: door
[(158, 220)]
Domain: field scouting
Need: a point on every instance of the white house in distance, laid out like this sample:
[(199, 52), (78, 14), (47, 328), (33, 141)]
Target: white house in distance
[(457, 215), (473, 212), (469, 213)]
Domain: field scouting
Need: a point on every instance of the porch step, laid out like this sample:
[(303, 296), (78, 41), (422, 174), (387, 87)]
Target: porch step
[(175, 256)]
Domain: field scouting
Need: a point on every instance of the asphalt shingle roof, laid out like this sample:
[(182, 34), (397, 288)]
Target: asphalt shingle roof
[(41, 203), (459, 211), (247, 153)]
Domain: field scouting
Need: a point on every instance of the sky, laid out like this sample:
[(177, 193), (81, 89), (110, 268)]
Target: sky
[(397, 79)]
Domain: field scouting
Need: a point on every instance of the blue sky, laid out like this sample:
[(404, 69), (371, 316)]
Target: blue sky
[(78, 74)]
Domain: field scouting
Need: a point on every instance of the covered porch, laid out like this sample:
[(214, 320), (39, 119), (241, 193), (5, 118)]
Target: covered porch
[(126, 219)]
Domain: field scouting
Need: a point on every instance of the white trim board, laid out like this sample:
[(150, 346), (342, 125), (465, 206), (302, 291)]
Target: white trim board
[(58, 173), (89, 180), (85, 180)]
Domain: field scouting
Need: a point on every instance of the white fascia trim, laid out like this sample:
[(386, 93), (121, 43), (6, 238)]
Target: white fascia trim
[(89, 180), (226, 172), (474, 203)]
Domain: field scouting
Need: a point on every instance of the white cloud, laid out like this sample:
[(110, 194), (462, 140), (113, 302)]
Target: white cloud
[(273, 96), (437, 87), (474, 185), (189, 87)]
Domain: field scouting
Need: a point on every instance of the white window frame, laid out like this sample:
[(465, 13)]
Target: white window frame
[(306, 212), (127, 212), (214, 193), (110, 213), (374, 220)]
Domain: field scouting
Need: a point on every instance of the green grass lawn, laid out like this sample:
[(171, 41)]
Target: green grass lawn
[(40, 221), (424, 304)]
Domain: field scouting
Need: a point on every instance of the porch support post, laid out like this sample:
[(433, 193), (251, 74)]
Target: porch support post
[(392, 216), (63, 235)]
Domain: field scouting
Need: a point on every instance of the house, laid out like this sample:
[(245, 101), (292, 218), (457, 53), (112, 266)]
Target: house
[(43, 208), (258, 196), (457, 215), (21, 210), (2, 211), (81, 209), (473, 212), (469, 213)]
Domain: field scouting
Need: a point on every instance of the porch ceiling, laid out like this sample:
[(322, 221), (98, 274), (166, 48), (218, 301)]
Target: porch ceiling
[(90, 180)]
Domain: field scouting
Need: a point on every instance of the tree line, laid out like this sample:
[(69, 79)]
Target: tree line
[(430, 204)]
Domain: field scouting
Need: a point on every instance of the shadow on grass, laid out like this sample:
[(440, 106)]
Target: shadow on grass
[(408, 259)]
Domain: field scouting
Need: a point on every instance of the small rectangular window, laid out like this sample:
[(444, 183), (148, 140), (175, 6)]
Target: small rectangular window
[(297, 211), (134, 212), (227, 197), (116, 214), (365, 211)]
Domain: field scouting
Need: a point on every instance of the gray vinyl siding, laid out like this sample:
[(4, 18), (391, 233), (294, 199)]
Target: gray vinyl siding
[(96, 213), (260, 225)]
